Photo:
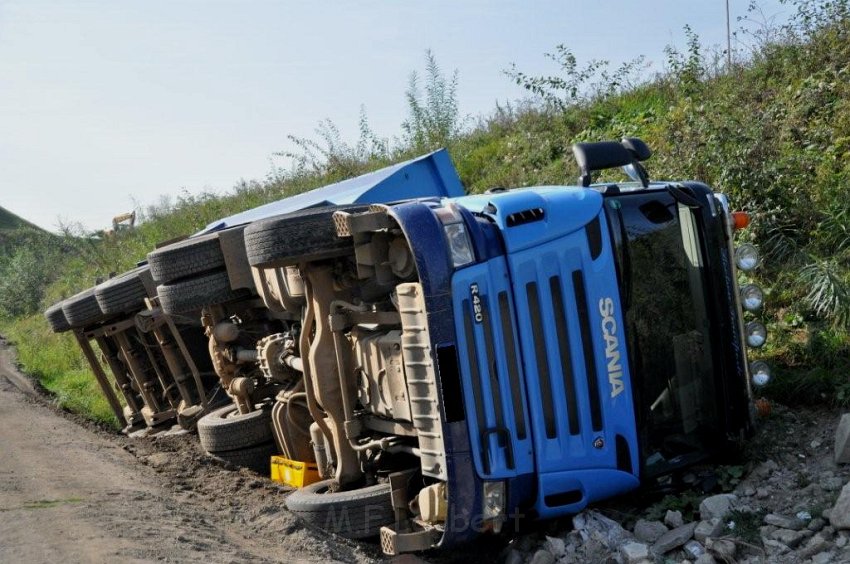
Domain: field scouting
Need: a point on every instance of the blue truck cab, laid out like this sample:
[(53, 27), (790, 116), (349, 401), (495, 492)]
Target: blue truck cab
[(556, 346)]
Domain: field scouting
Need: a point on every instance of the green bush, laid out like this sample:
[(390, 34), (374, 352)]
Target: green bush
[(27, 267)]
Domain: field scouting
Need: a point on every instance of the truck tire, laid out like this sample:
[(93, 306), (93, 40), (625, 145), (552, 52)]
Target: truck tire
[(256, 458), (225, 429), (189, 257), (123, 294), (82, 309), (355, 514), (56, 318), (193, 294), (296, 237)]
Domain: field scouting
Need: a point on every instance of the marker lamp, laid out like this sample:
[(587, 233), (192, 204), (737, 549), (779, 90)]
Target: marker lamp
[(746, 257), (756, 334), (752, 297), (760, 373)]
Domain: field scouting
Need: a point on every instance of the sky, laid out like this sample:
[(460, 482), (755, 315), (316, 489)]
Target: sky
[(110, 104)]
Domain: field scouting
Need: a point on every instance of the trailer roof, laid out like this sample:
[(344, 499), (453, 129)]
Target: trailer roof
[(426, 176)]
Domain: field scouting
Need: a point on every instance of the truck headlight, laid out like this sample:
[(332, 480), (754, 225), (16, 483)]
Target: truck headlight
[(756, 334), (746, 257), (760, 373), (459, 244), (752, 297), (494, 501)]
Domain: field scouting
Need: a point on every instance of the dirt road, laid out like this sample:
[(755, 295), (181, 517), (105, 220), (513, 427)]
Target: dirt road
[(72, 493)]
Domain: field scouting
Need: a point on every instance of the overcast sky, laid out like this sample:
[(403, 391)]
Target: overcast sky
[(107, 103)]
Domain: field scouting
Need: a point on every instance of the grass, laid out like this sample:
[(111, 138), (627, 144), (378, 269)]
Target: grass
[(811, 363), (686, 501), (56, 361), (44, 503), (747, 525)]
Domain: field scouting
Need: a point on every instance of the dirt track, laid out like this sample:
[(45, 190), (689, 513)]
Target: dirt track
[(72, 493)]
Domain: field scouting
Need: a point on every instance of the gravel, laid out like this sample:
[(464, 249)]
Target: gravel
[(791, 504)]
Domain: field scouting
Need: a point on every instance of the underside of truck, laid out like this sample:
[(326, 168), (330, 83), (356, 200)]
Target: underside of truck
[(524, 352)]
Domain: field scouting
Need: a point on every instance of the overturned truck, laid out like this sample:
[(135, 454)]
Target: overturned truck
[(446, 362)]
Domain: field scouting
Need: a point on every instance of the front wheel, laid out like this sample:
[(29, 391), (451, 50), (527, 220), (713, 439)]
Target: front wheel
[(355, 514)]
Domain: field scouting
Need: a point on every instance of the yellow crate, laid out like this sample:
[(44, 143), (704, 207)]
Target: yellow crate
[(293, 473)]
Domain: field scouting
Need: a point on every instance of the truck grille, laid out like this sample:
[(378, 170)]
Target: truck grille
[(494, 391), (547, 371), (589, 355), (540, 354), (491, 372), (544, 371), (505, 316), (564, 351)]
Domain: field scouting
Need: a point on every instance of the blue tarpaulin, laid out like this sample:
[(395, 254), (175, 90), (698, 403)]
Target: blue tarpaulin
[(423, 177)]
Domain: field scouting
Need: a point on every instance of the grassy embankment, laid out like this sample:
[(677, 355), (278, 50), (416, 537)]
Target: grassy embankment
[(773, 132)]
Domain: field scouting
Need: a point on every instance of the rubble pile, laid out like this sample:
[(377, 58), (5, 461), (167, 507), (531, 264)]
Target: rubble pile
[(791, 504)]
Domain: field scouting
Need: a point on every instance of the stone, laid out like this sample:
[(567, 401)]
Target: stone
[(710, 528), (783, 521), (766, 530), (574, 539), (674, 538), (789, 538), (556, 546), (765, 469), (705, 559), (649, 531), (542, 557), (722, 548), (159, 459), (594, 525), (816, 524), (830, 483), (717, 506), (693, 549), (673, 519), (815, 545), (748, 491), (775, 547), (839, 515), (762, 493), (634, 552), (822, 558), (842, 440)]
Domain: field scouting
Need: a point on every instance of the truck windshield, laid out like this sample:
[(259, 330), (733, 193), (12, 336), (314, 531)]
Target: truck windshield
[(662, 275)]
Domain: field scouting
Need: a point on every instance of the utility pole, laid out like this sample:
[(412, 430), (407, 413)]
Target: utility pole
[(728, 40)]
